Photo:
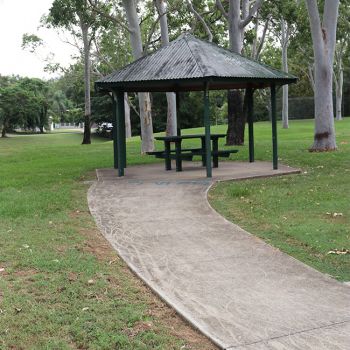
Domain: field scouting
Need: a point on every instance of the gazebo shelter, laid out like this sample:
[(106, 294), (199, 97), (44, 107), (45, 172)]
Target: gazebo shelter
[(191, 64)]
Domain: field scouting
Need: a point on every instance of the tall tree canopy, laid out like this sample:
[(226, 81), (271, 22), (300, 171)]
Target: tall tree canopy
[(77, 17)]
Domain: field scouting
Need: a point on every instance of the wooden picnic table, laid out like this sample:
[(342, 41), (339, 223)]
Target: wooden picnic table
[(180, 153)]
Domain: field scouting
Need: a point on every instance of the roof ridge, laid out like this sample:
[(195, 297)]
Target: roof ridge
[(192, 54), (144, 56), (254, 60)]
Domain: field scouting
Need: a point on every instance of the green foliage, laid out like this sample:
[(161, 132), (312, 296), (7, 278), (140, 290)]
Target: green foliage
[(23, 103), (68, 13), (31, 41), (111, 50)]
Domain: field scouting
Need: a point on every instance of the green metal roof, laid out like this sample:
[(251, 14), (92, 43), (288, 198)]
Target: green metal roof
[(187, 63)]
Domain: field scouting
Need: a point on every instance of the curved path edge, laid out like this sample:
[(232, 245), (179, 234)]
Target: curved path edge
[(237, 290)]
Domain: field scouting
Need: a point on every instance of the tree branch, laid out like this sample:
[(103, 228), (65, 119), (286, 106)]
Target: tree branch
[(114, 19), (251, 14), (151, 32), (315, 25), (200, 19), (245, 8), (100, 57), (311, 76), (134, 108), (221, 8), (263, 36), (330, 17)]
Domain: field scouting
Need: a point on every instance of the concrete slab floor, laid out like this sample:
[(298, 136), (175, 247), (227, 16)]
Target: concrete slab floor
[(239, 291)]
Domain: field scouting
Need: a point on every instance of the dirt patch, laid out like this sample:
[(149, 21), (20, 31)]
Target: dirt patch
[(97, 245), (90, 175), (77, 213), (138, 327), (178, 327), (23, 273)]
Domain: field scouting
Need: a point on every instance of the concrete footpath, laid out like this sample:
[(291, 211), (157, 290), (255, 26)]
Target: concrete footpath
[(239, 291)]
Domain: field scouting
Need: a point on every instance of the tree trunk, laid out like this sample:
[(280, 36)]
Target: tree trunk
[(235, 31), (324, 138), (144, 98), (147, 144), (339, 81), (323, 38), (171, 126), (339, 95), (127, 116), (285, 39), (3, 131), (285, 107), (87, 111), (236, 121), (236, 118)]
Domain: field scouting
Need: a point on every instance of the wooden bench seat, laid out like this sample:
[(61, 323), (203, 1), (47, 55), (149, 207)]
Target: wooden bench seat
[(189, 153), (161, 154), (215, 155), (225, 153)]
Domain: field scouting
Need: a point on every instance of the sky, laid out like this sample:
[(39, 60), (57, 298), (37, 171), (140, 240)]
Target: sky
[(23, 16)]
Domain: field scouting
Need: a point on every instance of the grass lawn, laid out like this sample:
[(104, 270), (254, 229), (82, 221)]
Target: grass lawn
[(63, 287), (305, 215)]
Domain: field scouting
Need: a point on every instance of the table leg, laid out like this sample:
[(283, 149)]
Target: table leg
[(167, 155), (215, 152), (203, 151), (178, 155)]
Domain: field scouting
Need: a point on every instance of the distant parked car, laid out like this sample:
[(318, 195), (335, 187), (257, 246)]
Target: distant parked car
[(105, 130), (106, 126)]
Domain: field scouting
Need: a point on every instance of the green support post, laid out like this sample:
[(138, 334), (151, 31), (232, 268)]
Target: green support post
[(250, 112), (115, 142), (274, 127), (121, 109), (207, 131), (121, 140), (178, 127)]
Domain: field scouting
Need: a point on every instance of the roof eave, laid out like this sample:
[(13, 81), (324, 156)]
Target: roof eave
[(192, 84)]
